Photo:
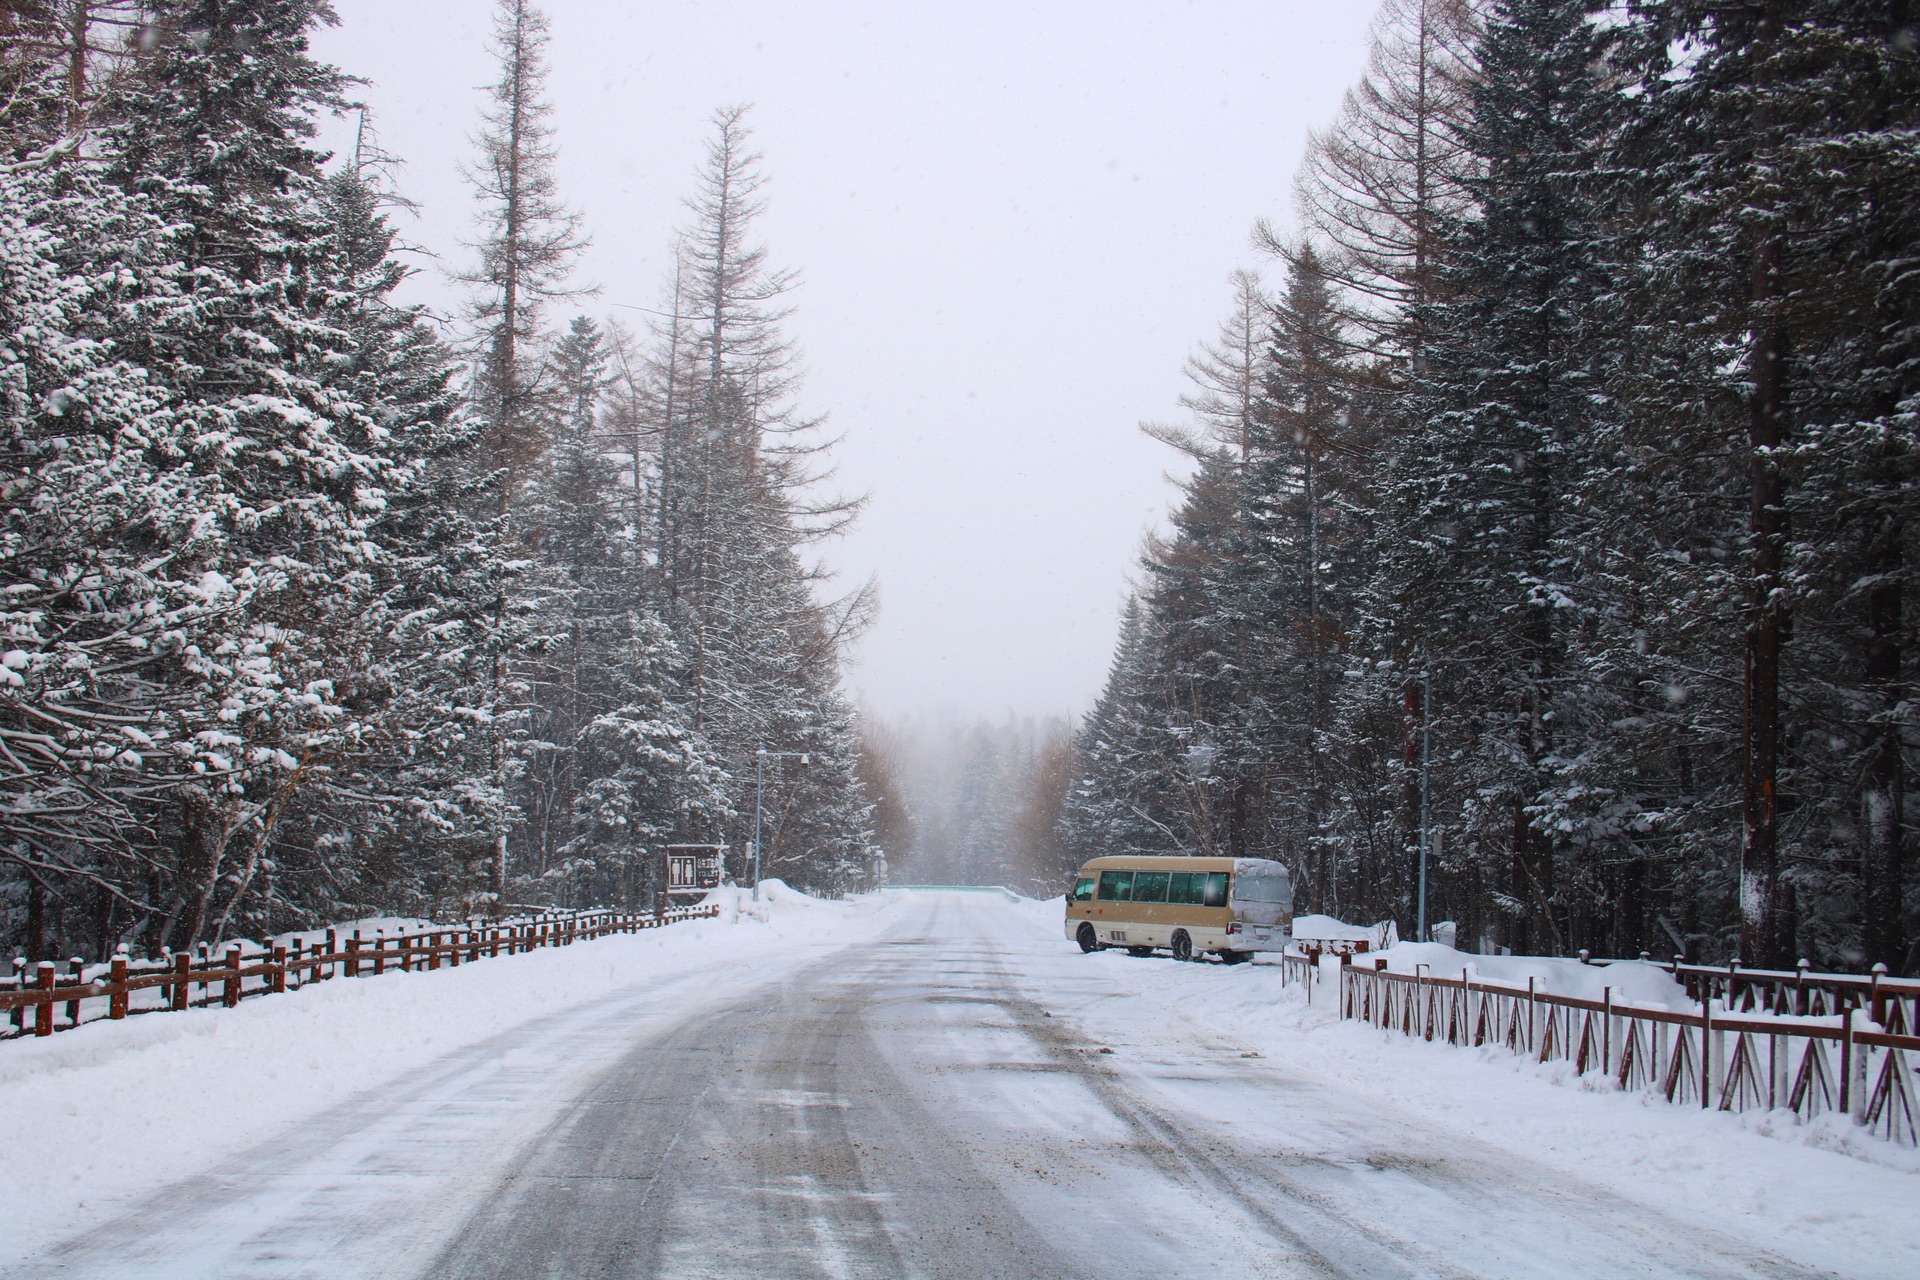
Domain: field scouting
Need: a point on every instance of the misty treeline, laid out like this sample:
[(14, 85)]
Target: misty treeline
[(1567, 462), (972, 802), (316, 605)]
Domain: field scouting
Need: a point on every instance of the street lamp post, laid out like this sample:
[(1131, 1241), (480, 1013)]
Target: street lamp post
[(760, 759)]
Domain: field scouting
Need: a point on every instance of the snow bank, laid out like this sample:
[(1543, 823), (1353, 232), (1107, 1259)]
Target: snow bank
[(1827, 1194), (1633, 982), (366, 926), (100, 1114), (1326, 928)]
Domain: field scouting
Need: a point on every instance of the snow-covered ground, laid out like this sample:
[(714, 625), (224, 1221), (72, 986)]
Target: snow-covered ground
[(1826, 1194), (96, 1116), (984, 1013)]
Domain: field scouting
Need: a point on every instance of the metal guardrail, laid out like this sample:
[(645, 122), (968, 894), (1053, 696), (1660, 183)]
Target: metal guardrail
[(1010, 895)]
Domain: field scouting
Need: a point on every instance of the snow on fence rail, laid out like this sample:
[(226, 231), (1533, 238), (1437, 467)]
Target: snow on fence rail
[(35, 1003), (1811, 1043)]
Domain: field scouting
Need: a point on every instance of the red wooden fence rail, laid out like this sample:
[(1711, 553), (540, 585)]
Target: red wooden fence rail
[(1808, 1043), (32, 1003)]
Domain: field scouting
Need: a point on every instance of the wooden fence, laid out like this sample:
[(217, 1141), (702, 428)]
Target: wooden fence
[(1810, 1043), (36, 1002)]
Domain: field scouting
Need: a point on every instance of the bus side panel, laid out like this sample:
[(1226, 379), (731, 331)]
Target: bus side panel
[(1151, 924)]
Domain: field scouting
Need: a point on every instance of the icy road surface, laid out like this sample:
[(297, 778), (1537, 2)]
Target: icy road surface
[(955, 1092)]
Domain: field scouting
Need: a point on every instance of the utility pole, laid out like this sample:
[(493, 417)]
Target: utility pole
[(760, 759), (1426, 763)]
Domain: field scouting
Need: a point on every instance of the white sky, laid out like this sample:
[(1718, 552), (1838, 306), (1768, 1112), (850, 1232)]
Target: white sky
[(1013, 222)]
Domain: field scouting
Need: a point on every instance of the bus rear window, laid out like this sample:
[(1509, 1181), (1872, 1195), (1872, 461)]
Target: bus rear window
[(1215, 893), (1116, 886), (1276, 889), (1149, 886), (1083, 889)]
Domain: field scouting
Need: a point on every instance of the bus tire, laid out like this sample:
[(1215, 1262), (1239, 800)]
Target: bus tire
[(1182, 945), (1087, 938), (1139, 951), (1236, 957)]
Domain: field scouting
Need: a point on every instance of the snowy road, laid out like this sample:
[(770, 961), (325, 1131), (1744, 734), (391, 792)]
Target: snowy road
[(926, 1101)]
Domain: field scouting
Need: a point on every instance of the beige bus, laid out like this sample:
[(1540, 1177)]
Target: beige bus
[(1231, 907)]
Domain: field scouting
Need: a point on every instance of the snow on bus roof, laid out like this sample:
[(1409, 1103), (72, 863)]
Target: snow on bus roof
[(1158, 862), (1185, 862)]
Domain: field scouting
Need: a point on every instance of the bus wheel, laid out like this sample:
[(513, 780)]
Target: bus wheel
[(1139, 951), (1236, 957), (1087, 938), (1182, 945)]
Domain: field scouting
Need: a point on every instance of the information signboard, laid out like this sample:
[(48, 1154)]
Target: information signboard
[(694, 868)]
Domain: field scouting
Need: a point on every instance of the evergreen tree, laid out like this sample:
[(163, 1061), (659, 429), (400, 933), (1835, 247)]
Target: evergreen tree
[(290, 433), (1126, 795), (1296, 562), (1488, 570), (529, 242), (57, 57), (613, 768), (1766, 283), (738, 500), (103, 608)]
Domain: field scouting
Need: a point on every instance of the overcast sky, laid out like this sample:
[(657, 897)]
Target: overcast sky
[(1013, 223)]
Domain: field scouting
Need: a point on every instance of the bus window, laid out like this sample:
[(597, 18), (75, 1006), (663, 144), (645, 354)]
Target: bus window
[(1083, 889), (1274, 889), (1116, 886), (1189, 887), (1216, 891), (1149, 886)]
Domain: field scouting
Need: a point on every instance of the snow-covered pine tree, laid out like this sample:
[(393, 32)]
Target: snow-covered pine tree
[(1127, 794), (1202, 665), (57, 57), (528, 244), (1852, 114), (103, 524), (613, 766), (287, 431), (1292, 570), (647, 779), (737, 471), (579, 586), (431, 595), (1486, 566), (1769, 278)]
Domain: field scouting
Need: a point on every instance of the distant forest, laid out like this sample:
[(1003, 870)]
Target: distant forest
[(318, 606), (971, 801), (1554, 503)]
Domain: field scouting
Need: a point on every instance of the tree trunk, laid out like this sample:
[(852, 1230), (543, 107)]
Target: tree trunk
[(207, 827), (77, 23), (38, 947), (1760, 887)]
